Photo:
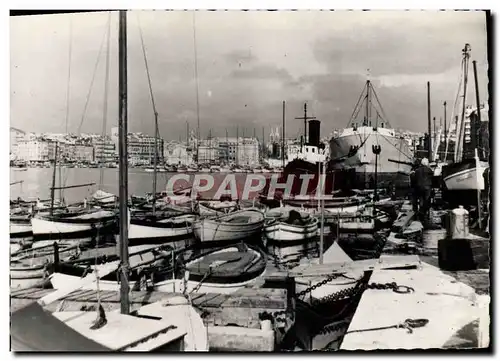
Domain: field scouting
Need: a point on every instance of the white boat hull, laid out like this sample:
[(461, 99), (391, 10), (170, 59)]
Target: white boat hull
[(19, 229), (145, 232), (468, 179), (42, 226), (223, 229), (208, 230), (328, 289)]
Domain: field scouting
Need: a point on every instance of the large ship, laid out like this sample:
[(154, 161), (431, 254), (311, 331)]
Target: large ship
[(359, 138)]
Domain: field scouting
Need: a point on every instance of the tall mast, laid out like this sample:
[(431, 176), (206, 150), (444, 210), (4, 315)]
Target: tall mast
[(187, 133), (123, 162), (476, 85), (367, 102), (445, 131), (429, 125), (197, 89), (305, 118), (283, 138), (105, 105), (237, 146), (459, 145), (52, 190), (263, 147), (227, 148)]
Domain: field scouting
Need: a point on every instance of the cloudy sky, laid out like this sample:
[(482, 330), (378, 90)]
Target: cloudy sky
[(248, 63)]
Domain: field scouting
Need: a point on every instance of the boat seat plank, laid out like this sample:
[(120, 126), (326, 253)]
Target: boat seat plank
[(435, 292), (120, 332), (216, 301), (314, 270), (276, 299)]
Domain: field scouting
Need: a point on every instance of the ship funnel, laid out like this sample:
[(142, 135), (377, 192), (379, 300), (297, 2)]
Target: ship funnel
[(314, 132)]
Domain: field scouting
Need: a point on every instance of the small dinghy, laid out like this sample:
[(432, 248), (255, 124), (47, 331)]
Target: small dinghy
[(168, 325), (72, 225), (155, 230), (28, 267), (232, 227), (216, 208), (338, 286), (225, 271), (222, 271), (287, 225), (104, 198), (20, 226)]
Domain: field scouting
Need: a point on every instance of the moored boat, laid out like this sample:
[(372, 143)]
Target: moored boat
[(337, 284), (234, 226), (172, 230), (20, 226), (287, 225), (360, 136), (221, 271)]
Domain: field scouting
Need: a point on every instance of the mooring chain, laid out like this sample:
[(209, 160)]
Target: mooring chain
[(409, 324), (391, 286), (319, 284), (340, 295)]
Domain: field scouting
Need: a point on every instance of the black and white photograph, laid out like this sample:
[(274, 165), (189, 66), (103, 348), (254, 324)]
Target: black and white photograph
[(250, 180)]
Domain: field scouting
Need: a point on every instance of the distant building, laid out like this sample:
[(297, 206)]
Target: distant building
[(35, 149), (15, 135), (208, 151)]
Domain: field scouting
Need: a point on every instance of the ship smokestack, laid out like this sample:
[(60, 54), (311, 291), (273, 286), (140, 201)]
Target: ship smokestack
[(314, 132)]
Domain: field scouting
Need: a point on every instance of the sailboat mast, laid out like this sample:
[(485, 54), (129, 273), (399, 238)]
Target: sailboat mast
[(459, 145), (105, 105), (155, 162), (53, 189), (476, 84), (445, 131), (123, 162), (429, 131), (283, 138)]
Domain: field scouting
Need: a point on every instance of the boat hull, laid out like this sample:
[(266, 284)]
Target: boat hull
[(60, 281), (464, 176), (284, 232), (320, 294), (392, 147), (137, 231), (19, 229)]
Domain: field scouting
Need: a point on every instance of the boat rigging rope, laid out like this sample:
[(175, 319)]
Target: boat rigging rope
[(105, 105), (460, 80)]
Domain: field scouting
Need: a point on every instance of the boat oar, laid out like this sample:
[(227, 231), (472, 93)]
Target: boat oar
[(90, 278)]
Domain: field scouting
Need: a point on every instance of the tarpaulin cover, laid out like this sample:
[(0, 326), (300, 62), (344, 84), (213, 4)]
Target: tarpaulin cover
[(35, 330)]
